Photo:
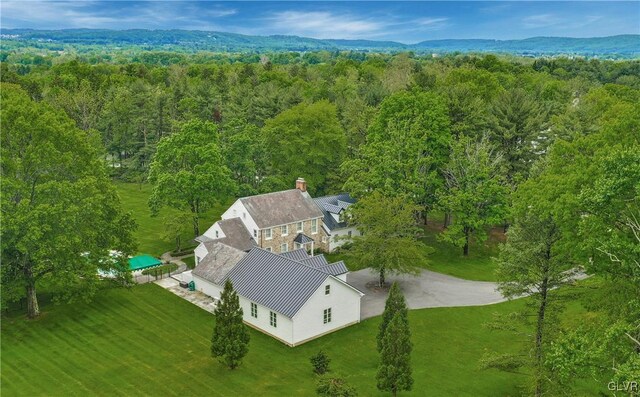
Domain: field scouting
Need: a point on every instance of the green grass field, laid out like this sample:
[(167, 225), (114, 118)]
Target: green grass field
[(150, 231), (147, 341), (448, 259)]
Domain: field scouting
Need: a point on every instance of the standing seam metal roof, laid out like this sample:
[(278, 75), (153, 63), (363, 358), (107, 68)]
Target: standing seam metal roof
[(328, 204), (281, 284)]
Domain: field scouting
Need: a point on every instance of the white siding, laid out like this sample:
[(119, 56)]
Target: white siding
[(211, 232), (237, 210), (284, 329), (333, 244), (207, 287), (200, 252), (344, 302)]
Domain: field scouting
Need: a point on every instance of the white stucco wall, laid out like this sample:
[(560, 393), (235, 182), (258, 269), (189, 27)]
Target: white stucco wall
[(238, 210), (344, 302), (333, 244)]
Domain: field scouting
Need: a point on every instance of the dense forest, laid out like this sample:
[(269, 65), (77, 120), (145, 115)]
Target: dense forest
[(546, 148)]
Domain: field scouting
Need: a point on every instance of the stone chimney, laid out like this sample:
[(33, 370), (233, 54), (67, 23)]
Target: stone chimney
[(301, 184)]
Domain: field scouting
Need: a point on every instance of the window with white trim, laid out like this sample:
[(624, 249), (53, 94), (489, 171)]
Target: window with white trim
[(298, 246), (255, 233), (326, 317), (300, 226), (273, 319), (284, 247), (254, 310), (284, 230), (216, 234), (268, 249), (327, 289), (314, 226), (268, 234)]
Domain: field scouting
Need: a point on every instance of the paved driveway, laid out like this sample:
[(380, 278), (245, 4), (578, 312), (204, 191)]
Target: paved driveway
[(428, 289)]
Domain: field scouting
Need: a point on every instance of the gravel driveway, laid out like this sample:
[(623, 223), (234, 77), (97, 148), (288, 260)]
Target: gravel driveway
[(428, 289)]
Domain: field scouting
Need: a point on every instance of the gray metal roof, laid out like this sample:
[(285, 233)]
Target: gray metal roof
[(315, 261), (302, 238), (296, 255), (218, 262), (281, 284), (328, 204), (335, 269), (281, 208)]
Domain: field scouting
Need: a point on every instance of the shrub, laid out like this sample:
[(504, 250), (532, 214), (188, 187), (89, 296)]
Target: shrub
[(320, 362)]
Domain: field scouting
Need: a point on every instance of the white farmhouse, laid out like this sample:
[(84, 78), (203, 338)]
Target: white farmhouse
[(292, 296)]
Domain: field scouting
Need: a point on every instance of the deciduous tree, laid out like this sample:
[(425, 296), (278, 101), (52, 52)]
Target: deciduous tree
[(61, 216), (389, 241), (305, 140), (473, 192), (189, 173)]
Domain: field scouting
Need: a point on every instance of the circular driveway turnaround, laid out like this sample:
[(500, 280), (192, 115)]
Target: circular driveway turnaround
[(427, 289)]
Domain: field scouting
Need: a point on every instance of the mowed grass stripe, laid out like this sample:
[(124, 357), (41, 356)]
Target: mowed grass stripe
[(147, 341)]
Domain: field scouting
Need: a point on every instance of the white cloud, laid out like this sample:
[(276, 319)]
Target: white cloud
[(93, 14), (541, 21), (324, 25)]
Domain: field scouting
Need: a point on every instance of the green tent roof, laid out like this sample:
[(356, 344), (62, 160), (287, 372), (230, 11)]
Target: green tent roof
[(143, 262)]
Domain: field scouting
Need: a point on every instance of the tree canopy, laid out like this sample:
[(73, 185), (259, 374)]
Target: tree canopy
[(61, 216)]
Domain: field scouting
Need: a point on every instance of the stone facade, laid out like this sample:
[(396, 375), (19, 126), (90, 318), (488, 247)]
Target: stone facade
[(277, 239)]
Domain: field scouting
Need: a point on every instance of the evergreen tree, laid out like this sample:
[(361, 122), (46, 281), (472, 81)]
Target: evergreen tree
[(395, 305), (320, 362), (394, 371), (230, 340)]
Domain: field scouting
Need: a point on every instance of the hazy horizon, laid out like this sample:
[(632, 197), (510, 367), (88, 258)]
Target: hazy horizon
[(403, 22)]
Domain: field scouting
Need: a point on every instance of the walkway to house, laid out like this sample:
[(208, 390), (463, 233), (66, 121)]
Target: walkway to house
[(428, 289)]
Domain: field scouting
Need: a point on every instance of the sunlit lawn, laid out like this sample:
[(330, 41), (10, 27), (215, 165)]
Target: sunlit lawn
[(134, 198), (147, 341)]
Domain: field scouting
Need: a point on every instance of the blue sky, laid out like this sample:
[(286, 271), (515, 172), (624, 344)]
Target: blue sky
[(406, 22)]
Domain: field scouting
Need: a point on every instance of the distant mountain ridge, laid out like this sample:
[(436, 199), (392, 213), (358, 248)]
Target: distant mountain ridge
[(193, 40)]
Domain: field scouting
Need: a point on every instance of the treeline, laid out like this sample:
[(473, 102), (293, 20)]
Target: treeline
[(315, 111)]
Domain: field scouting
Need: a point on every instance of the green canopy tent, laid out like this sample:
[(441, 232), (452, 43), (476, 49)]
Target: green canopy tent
[(141, 262)]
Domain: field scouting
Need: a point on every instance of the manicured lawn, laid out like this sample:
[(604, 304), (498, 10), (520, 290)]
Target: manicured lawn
[(150, 231), (448, 259), (146, 341)]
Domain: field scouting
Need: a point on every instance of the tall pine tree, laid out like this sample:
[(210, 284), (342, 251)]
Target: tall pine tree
[(230, 340), (395, 305), (394, 371)]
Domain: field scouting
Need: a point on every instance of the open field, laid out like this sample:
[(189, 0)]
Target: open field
[(147, 341), (150, 231)]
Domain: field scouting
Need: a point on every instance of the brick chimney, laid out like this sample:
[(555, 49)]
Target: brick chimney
[(301, 184)]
